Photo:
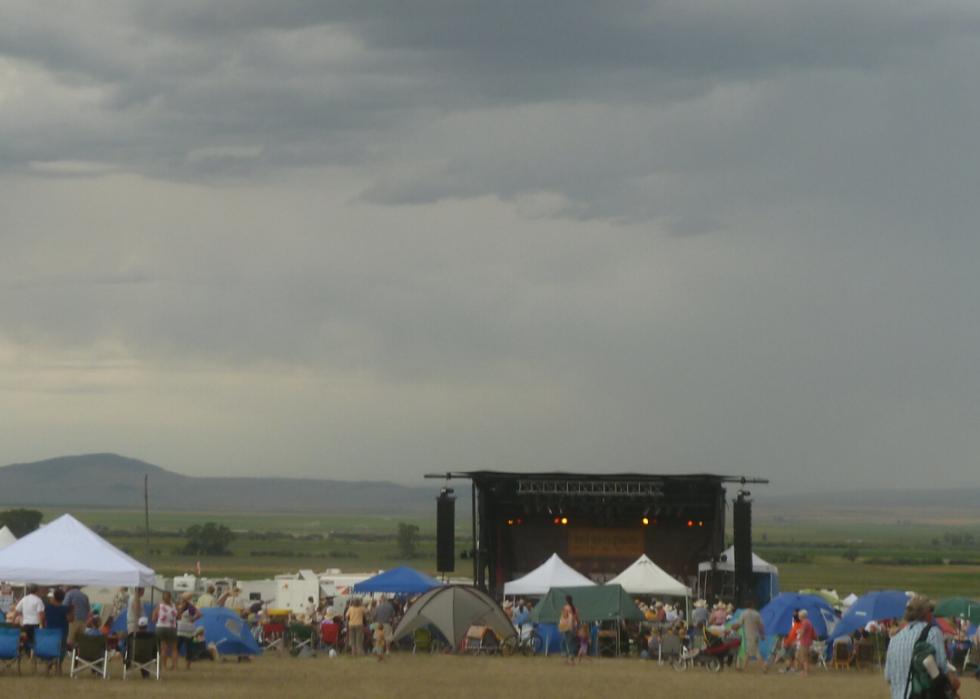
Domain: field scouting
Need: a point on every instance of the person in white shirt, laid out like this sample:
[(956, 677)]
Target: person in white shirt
[(31, 608)]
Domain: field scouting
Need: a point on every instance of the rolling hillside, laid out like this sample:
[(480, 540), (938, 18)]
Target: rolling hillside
[(109, 480)]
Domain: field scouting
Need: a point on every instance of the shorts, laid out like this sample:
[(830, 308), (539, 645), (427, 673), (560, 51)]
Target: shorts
[(166, 634), (386, 629), (751, 647)]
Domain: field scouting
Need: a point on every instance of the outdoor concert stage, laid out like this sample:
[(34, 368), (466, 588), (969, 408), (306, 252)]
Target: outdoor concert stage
[(598, 524)]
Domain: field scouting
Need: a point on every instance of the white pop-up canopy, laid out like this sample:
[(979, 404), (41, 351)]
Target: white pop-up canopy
[(6, 537), (552, 573), (726, 562), (66, 552), (644, 577)]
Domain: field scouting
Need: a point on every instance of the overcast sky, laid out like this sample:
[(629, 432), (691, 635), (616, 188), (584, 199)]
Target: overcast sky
[(373, 239)]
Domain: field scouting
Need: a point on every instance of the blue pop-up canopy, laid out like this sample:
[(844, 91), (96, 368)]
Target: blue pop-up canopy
[(400, 580)]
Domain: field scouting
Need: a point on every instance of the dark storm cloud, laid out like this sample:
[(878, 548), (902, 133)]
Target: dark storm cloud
[(626, 235)]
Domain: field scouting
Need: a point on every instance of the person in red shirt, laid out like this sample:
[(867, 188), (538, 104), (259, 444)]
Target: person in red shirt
[(805, 636)]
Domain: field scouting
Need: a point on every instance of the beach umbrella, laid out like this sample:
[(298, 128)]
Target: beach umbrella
[(778, 614), (228, 631), (874, 606), (959, 607)]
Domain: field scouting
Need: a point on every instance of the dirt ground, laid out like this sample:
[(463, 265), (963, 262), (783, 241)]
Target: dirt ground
[(416, 677)]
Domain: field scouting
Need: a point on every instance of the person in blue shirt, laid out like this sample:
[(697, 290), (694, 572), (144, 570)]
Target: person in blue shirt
[(58, 615)]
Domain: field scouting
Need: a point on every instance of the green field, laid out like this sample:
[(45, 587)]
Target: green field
[(809, 546)]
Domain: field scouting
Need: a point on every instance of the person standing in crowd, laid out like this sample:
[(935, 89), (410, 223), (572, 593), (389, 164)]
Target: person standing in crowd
[(234, 600), (134, 612), (919, 615), (207, 599), (700, 614), (165, 618), (567, 626), (754, 631), (310, 610), (384, 614), (355, 626), (119, 602), (31, 610), (186, 605), (81, 608), (789, 645), (805, 637), (58, 615)]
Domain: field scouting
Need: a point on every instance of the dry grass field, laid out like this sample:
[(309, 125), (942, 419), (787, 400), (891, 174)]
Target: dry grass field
[(448, 677)]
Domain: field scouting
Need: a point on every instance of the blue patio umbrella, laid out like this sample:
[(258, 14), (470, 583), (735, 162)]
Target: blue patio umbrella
[(874, 606), (228, 631), (778, 614)]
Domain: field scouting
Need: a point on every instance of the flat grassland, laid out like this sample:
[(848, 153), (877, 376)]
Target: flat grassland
[(447, 677), (930, 550)]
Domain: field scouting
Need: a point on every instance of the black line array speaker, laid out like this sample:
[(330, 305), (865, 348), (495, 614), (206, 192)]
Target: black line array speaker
[(446, 531), (742, 520)]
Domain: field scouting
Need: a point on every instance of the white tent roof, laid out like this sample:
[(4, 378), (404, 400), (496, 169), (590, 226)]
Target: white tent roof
[(727, 562), (66, 552), (644, 577), (552, 573), (6, 537)]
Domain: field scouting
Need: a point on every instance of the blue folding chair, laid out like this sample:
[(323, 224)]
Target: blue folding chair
[(49, 647), (9, 649)]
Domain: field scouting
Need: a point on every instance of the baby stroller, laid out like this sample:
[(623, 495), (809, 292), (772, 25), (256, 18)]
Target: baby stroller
[(717, 649)]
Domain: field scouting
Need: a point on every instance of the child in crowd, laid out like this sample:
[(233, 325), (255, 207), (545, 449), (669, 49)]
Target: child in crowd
[(379, 641), (583, 643)]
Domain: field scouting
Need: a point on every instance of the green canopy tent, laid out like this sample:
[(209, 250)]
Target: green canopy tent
[(598, 603)]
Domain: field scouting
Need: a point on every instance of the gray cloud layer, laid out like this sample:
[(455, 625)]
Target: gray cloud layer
[(377, 239)]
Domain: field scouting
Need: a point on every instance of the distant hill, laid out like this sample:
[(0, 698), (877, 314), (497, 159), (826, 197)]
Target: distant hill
[(110, 480)]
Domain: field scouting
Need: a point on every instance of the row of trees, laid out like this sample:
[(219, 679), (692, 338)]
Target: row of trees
[(210, 539)]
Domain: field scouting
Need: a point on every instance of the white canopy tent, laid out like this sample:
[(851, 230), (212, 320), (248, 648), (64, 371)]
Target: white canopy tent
[(552, 573), (644, 577), (6, 537), (66, 552), (726, 562)]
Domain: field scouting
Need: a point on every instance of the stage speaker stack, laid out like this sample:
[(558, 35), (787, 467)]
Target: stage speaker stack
[(446, 531), (742, 516)]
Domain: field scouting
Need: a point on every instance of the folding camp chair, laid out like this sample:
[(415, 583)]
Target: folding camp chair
[(422, 640), (48, 647), (819, 652), (842, 656), (90, 653), (144, 656), (671, 648), (330, 636), (301, 637), (273, 635), (10, 648), (863, 654)]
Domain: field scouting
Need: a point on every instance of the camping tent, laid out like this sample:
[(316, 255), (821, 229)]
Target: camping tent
[(400, 580), (552, 573), (66, 552), (644, 577), (453, 609), (765, 576), (6, 537), (595, 603)]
